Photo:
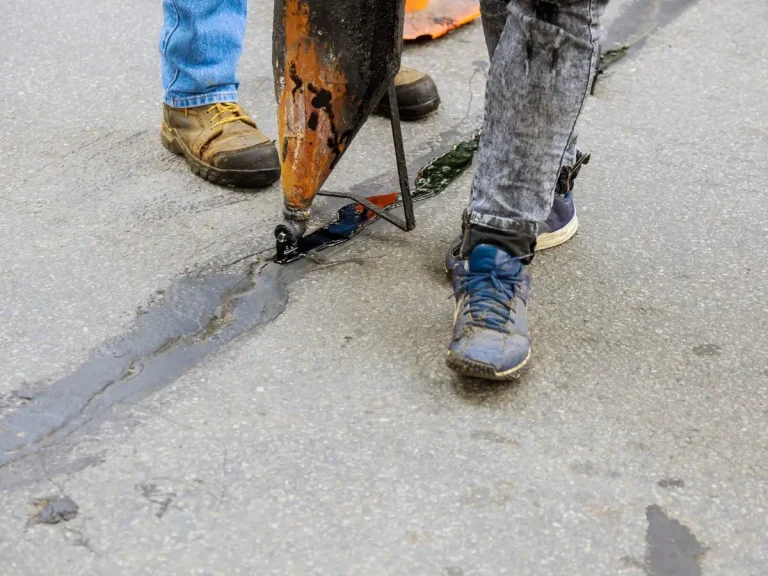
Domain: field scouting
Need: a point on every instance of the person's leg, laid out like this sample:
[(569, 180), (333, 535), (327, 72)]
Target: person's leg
[(561, 223), (494, 20), (540, 73), (543, 57), (200, 48)]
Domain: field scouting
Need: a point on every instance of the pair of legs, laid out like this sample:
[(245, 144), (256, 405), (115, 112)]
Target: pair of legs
[(200, 45), (543, 59)]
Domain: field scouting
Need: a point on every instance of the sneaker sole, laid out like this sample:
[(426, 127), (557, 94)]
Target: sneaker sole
[(549, 240), (238, 178), (474, 369)]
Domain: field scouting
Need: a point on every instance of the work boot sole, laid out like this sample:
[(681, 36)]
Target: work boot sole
[(473, 369), (413, 112), (256, 178)]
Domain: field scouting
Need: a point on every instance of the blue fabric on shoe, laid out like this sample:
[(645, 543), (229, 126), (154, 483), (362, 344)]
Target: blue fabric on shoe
[(490, 288), (562, 213), (491, 337)]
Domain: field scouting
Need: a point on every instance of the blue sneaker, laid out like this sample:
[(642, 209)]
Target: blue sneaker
[(561, 224), (490, 334)]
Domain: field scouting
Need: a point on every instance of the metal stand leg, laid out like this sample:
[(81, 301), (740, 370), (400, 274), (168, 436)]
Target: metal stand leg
[(402, 167), (402, 172)]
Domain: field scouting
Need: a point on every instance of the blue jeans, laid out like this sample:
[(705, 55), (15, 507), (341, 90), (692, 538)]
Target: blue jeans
[(200, 48)]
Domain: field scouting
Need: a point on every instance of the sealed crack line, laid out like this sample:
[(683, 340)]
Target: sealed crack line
[(640, 19), (351, 219), (630, 31), (169, 339)]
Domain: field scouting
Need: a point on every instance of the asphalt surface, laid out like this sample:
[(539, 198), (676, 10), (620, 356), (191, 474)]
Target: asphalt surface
[(323, 434)]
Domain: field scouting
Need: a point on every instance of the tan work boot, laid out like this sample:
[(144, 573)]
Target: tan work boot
[(221, 144), (416, 95)]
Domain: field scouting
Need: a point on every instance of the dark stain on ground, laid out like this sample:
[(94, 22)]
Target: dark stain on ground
[(672, 550), (707, 350), (161, 498), (53, 510), (671, 483)]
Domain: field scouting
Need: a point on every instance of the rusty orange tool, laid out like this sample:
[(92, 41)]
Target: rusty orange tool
[(430, 19), (333, 61)]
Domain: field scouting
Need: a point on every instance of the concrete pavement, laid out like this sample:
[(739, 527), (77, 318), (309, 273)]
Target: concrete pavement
[(332, 440)]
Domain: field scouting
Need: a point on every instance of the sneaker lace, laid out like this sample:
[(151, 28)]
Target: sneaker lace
[(227, 112), (491, 298)]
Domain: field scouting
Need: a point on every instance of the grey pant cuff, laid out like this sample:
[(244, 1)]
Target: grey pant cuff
[(516, 237), (502, 224)]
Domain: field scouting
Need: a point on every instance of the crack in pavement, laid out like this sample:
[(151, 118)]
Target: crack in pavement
[(196, 318), (640, 19)]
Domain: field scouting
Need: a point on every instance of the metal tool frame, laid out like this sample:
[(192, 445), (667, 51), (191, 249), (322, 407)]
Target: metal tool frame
[(287, 239), (402, 171)]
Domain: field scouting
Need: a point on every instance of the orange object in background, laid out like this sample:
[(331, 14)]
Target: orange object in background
[(415, 5), (430, 19)]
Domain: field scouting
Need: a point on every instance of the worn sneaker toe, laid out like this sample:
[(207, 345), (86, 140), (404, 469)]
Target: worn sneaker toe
[(490, 355)]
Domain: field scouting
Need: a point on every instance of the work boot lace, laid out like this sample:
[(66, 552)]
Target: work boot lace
[(227, 112)]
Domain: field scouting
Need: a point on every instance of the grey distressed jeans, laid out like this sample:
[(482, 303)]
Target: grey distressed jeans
[(543, 58)]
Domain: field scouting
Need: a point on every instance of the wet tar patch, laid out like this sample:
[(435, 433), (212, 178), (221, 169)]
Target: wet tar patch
[(672, 550)]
